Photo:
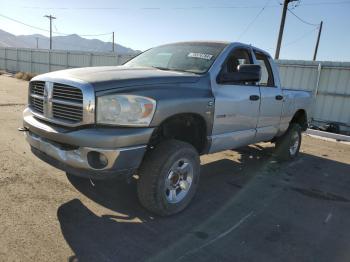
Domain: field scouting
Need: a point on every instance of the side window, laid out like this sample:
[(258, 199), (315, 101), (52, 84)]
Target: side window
[(238, 57), (266, 70)]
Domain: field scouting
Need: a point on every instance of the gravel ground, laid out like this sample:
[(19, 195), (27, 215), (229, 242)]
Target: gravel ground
[(248, 207)]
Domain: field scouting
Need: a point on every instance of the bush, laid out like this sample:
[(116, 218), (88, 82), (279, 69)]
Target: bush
[(19, 75), (24, 76)]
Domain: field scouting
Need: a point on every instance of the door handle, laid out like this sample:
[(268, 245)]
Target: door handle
[(254, 97), (279, 97)]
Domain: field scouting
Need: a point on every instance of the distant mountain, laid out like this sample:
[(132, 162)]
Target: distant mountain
[(69, 42), (10, 40)]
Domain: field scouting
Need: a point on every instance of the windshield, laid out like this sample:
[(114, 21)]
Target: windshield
[(185, 57)]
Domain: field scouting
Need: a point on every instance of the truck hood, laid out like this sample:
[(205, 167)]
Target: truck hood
[(111, 77)]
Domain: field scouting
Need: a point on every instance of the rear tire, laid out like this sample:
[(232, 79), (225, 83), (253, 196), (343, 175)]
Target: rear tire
[(169, 177), (288, 145)]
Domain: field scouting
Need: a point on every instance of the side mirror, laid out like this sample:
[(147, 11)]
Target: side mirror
[(245, 73)]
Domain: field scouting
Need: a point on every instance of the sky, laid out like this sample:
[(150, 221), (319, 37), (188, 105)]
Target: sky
[(143, 24)]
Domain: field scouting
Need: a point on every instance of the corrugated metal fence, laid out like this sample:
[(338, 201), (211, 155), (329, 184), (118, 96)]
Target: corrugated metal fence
[(330, 81), (42, 61)]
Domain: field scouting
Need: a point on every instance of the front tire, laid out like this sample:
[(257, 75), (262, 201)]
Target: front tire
[(169, 177), (288, 145)]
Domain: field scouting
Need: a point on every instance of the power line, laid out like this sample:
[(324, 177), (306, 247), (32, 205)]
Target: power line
[(301, 37), (186, 8), (254, 19), (302, 20), (326, 3), (17, 21), (150, 8), (54, 25), (98, 34), (294, 4), (45, 30)]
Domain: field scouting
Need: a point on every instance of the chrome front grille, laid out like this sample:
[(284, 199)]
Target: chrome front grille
[(62, 103), (37, 104), (37, 88), (67, 112), (67, 103), (37, 92), (67, 93)]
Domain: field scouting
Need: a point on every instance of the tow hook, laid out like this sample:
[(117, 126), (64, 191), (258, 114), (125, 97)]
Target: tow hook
[(23, 129)]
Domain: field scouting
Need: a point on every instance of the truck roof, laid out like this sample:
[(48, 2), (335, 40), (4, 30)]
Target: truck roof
[(222, 43)]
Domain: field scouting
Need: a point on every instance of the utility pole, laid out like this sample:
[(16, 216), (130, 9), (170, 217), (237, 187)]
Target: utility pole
[(113, 43), (37, 42), (50, 17), (318, 40), (283, 20)]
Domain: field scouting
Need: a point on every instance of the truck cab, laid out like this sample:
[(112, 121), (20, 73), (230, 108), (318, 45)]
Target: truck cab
[(247, 111)]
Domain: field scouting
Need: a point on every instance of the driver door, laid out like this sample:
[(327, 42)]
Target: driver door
[(236, 106)]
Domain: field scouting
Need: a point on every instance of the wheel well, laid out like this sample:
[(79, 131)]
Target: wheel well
[(300, 117), (190, 128)]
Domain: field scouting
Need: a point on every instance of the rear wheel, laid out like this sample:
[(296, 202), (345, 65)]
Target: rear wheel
[(288, 145), (169, 177)]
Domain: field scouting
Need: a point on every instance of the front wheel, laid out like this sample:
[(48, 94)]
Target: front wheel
[(169, 177), (288, 145)]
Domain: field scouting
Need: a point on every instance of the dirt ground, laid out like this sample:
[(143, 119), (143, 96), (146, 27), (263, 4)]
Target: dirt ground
[(248, 207)]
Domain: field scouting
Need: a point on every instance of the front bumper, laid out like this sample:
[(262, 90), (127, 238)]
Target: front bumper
[(76, 151)]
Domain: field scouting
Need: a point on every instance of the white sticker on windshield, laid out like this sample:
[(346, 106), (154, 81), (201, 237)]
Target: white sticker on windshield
[(200, 55)]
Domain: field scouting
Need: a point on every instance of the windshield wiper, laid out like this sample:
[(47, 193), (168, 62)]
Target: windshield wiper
[(161, 68), (185, 71), (174, 69)]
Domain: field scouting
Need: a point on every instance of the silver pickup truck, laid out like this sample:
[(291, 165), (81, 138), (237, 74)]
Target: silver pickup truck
[(153, 117)]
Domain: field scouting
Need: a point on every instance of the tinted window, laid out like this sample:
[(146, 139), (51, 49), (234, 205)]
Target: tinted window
[(236, 58), (239, 56)]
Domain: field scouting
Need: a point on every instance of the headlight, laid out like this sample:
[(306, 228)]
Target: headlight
[(127, 110)]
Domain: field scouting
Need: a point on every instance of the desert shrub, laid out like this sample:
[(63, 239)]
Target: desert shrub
[(24, 76), (19, 75)]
